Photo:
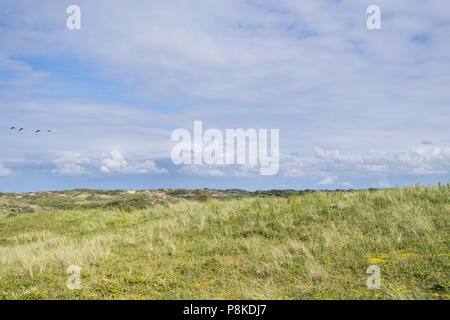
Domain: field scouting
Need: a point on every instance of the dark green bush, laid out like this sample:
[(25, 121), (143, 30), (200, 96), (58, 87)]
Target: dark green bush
[(204, 197)]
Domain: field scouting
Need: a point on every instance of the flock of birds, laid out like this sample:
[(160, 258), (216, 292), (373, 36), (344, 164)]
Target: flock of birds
[(21, 129)]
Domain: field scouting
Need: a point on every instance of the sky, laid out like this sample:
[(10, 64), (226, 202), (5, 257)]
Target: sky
[(355, 108)]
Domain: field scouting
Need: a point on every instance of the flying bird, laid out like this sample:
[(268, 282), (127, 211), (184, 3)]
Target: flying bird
[(21, 129), (37, 131), (49, 130), (12, 128)]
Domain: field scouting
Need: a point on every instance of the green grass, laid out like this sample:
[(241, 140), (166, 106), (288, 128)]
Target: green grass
[(311, 246)]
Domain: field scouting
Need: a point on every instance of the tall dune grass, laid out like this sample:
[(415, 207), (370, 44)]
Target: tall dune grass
[(314, 246)]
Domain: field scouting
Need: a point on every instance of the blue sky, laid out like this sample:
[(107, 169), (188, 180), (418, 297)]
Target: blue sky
[(355, 108)]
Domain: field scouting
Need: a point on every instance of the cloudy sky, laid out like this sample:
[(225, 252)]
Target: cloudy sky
[(356, 108)]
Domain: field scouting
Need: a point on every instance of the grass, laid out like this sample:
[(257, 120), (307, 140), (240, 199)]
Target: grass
[(311, 246)]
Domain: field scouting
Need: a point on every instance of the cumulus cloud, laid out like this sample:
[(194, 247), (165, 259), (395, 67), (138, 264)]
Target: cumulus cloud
[(326, 181), (419, 161), (329, 164), (69, 169), (70, 164), (116, 163), (4, 171)]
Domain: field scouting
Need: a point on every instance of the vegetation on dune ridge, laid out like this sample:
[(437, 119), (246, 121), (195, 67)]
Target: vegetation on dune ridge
[(312, 246), (126, 200)]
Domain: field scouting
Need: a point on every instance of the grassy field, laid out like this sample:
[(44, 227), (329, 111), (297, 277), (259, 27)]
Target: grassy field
[(165, 244)]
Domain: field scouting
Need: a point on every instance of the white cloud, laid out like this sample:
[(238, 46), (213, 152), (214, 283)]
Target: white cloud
[(116, 163), (69, 169), (325, 162), (4, 171), (70, 163), (346, 184), (148, 166), (202, 170), (292, 167), (326, 181), (221, 170), (333, 163), (73, 163)]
